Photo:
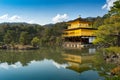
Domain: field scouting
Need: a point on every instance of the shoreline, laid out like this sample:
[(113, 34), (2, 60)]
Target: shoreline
[(18, 47)]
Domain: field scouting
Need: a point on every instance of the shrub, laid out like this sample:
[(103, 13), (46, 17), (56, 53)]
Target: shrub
[(112, 50)]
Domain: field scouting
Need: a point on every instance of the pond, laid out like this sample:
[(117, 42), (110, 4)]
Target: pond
[(50, 64)]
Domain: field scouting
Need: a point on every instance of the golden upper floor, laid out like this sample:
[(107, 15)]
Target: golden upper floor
[(79, 23)]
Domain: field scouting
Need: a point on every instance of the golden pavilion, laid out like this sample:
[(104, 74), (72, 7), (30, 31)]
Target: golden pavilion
[(79, 31)]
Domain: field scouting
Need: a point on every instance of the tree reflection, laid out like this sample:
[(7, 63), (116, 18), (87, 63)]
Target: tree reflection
[(78, 60), (12, 56)]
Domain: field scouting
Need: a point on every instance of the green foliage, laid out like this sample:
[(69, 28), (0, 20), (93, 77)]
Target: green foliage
[(58, 40), (35, 41), (23, 33), (24, 38), (112, 50), (113, 78), (98, 22), (9, 37), (51, 34), (115, 10), (109, 32), (106, 35)]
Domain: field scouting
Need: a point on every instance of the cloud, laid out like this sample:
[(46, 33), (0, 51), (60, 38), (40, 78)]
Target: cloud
[(59, 65), (5, 16), (31, 21), (15, 17), (109, 4), (60, 18), (16, 65), (6, 66)]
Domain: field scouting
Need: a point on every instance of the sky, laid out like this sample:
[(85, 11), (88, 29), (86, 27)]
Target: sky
[(51, 11)]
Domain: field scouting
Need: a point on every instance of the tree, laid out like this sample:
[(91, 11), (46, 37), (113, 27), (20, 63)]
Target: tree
[(115, 10), (59, 40), (9, 37), (98, 22), (23, 33), (35, 41), (105, 35), (115, 14), (109, 33), (23, 38)]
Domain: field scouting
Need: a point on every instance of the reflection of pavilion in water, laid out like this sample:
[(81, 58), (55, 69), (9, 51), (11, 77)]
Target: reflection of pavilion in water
[(78, 63)]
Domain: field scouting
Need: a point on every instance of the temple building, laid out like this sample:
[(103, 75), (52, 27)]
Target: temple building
[(79, 32)]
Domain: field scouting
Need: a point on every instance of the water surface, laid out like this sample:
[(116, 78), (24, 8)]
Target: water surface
[(49, 64)]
